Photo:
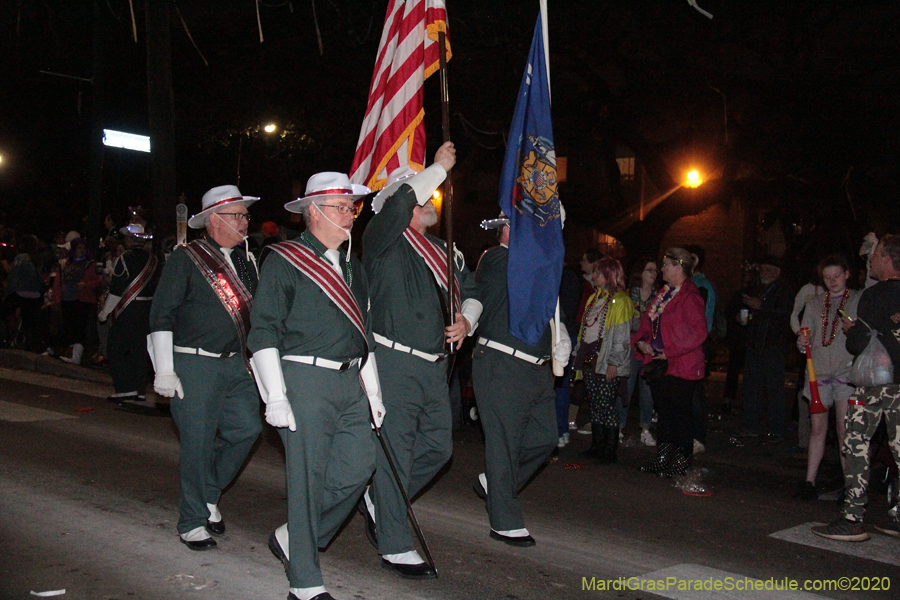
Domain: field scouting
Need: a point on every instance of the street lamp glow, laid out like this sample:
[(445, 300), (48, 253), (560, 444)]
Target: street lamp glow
[(693, 179), (1, 159), (269, 128)]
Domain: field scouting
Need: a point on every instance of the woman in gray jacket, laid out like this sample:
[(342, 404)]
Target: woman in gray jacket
[(603, 355)]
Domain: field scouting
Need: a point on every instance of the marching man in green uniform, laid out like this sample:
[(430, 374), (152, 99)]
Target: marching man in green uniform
[(407, 271), (311, 347), (198, 339), (516, 401), (134, 278)]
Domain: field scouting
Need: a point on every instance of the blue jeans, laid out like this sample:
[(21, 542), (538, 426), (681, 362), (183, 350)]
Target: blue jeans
[(764, 376), (646, 398)]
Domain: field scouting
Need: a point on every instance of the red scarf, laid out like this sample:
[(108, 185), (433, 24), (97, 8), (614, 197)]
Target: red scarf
[(136, 286), (235, 298), (436, 260), (324, 276)]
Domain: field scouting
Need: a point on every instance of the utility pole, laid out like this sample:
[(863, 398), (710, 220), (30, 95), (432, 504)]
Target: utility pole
[(92, 233), (162, 116)]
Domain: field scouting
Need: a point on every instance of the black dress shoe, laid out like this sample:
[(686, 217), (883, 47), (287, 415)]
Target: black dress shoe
[(371, 532), (215, 527), (140, 407), (419, 571), (322, 596), (117, 399), (199, 545), (522, 542), (278, 551), (479, 489)]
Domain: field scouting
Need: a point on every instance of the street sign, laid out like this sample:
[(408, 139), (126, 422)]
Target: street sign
[(181, 218)]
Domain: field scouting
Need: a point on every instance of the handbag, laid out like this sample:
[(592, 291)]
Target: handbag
[(654, 370)]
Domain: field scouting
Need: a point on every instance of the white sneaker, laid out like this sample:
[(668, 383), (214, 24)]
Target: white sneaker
[(586, 429), (561, 443), (647, 438), (698, 447)]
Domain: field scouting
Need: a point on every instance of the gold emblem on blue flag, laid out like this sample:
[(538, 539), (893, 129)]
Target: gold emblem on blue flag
[(536, 191)]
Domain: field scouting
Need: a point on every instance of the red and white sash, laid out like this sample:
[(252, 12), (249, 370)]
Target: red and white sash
[(324, 276), (235, 298), (436, 260), (136, 286)]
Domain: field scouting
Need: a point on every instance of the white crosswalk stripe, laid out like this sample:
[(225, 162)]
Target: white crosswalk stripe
[(881, 548), (19, 413)]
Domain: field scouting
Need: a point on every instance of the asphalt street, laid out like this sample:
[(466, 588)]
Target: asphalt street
[(89, 493)]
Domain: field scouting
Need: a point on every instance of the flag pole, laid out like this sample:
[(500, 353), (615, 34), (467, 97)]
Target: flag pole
[(557, 367), (447, 204)]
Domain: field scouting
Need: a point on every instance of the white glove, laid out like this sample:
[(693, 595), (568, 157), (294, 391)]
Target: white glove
[(563, 348), (426, 181), (108, 306), (266, 365), (368, 377), (279, 414), (471, 309), (166, 383)]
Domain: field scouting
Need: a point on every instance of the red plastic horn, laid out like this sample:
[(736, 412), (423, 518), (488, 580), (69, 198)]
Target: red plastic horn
[(815, 403)]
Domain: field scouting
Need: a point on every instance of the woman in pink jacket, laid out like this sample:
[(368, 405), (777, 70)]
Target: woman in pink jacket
[(669, 343)]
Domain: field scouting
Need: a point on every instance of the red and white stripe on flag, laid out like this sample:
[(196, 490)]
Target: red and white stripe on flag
[(392, 133)]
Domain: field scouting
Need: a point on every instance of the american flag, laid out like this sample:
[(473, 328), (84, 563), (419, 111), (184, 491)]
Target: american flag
[(393, 134)]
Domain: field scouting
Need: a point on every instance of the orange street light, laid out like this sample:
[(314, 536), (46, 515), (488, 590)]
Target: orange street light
[(693, 179), (270, 128)]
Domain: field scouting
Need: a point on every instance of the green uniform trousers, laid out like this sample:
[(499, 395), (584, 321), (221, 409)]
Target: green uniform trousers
[(329, 459), (517, 407), (861, 422), (418, 430), (219, 395)]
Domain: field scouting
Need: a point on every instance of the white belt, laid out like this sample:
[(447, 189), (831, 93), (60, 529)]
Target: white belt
[(142, 299), (512, 351), (202, 352), (316, 361), (401, 348)]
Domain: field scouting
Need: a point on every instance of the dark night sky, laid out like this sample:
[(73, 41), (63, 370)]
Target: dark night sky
[(811, 90)]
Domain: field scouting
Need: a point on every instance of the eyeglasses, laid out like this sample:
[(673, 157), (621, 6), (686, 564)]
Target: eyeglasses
[(236, 216), (344, 210)]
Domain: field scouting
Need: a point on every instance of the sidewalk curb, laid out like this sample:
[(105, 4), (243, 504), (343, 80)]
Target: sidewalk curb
[(48, 365)]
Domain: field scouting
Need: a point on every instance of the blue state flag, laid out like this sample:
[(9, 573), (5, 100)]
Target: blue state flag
[(528, 196)]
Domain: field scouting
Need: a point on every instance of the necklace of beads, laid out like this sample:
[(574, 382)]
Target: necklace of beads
[(587, 322), (826, 309)]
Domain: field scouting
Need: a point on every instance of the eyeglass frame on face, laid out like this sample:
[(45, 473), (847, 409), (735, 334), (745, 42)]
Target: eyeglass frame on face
[(236, 216), (342, 209)]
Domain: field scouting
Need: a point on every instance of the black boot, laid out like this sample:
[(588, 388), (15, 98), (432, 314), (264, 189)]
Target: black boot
[(663, 455), (608, 454), (598, 440)]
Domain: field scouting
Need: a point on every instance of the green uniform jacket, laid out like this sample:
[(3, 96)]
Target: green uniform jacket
[(186, 305), (405, 303), (293, 314), (134, 260), (494, 322)]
